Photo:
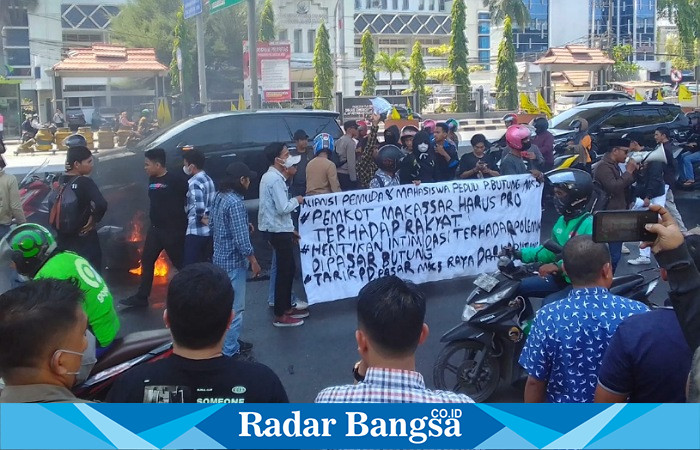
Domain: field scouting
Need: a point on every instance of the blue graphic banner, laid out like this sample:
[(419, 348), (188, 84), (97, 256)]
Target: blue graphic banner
[(475, 426)]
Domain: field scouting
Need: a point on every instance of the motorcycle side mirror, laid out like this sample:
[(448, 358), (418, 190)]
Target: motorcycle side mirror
[(552, 246)]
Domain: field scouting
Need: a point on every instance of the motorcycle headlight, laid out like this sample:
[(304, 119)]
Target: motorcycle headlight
[(470, 309)]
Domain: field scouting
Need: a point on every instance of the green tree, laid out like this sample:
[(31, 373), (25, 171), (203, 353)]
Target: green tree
[(183, 41), (457, 60), (392, 64), (417, 75), (686, 15), (10, 12), (267, 22), (323, 65), (507, 72), (681, 58), (515, 9), (369, 76), (623, 69), (150, 23)]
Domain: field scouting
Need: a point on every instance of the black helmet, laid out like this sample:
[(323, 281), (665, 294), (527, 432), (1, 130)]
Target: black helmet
[(389, 157), (75, 140), (541, 124), (578, 186)]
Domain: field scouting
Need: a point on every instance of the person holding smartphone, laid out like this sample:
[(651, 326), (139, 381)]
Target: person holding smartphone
[(477, 164)]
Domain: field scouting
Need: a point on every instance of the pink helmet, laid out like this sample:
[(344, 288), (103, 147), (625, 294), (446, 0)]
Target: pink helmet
[(429, 125), (515, 135)]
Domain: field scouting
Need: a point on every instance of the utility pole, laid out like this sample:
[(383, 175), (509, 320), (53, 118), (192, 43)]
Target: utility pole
[(201, 64), (253, 52), (610, 22)]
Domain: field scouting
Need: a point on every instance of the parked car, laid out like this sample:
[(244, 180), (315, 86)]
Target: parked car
[(568, 100), (75, 117), (224, 138), (104, 117), (611, 120)]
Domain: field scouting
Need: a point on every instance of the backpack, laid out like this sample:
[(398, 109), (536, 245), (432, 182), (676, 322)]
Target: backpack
[(65, 216), (336, 158)]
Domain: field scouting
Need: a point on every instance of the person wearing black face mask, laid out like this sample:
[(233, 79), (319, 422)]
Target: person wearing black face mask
[(572, 189)]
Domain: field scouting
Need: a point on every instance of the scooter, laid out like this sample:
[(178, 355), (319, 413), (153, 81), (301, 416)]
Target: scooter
[(132, 350), (484, 349), (33, 194)]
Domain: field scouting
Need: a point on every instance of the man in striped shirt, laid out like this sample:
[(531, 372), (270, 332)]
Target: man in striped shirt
[(390, 314), (200, 196)]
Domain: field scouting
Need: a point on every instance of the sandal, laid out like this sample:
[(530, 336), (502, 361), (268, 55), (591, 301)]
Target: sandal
[(688, 183)]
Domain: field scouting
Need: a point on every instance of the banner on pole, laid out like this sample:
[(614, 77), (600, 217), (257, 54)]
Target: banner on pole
[(423, 233), (273, 70)]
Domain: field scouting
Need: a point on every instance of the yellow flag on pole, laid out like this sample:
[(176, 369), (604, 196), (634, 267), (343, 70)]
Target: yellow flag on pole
[(543, 106), (684, 93), (233, 106), (659, 95), (395, 114), (526, 104), (166, 110), (638, 97), (241, 102)]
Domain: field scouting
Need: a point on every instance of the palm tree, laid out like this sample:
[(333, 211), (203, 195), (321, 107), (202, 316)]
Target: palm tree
[(515, 9), (5, 17), (392, 64)]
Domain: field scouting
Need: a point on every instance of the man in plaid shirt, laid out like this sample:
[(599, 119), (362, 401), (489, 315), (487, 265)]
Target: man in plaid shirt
[(366, 167), (390, 314), (200, 195)]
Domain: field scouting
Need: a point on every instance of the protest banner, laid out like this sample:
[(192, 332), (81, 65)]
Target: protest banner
[(420, 233)]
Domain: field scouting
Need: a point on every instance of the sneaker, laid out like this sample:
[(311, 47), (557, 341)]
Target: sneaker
[(287, 321), (134, 302), (641, 261), (298, 313), (244, 347), (625, 250), (300, 304), (242, 356)]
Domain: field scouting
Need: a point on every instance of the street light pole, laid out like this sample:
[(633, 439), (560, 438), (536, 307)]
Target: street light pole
[(253, 52), (201, 64)]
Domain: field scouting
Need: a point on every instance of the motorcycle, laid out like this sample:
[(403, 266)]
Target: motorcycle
[(484, 349), (33, 194), (132, 350)]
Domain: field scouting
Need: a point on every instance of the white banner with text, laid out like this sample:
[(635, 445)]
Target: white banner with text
[(420, 233)]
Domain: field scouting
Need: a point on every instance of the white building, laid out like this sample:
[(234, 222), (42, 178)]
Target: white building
[(395, 25)]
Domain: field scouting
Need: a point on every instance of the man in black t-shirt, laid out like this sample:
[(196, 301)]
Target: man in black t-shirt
[(166, 192), (198, 313), (92, 206), (477, 164)]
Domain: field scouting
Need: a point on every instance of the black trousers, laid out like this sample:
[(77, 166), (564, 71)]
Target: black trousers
[(283, 243), (157, 240), (345, 183), (87, 246)]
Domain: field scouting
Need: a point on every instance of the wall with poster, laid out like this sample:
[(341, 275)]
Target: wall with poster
[(273, 70)]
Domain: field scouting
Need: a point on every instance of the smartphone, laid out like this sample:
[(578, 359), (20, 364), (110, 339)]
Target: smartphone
[(525, 155), (623, 226)]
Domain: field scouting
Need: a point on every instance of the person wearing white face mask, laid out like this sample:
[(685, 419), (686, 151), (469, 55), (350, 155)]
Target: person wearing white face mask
[(200, 196), (275, 218), (419, 166), (42, 367)]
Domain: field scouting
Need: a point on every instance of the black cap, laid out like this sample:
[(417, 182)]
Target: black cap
[(300, 134), (613, 143), (350, 124), (239, 169)]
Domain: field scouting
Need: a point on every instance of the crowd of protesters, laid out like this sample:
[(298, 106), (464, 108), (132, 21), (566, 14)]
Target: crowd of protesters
[(607, 350)]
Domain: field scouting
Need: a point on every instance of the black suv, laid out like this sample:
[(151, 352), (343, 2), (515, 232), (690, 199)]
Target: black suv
[(223, 137), (610, 120)]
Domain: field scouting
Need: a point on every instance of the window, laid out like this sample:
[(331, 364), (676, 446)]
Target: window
[(18, 56), (16, 37), (395, 4), (17, 17), (405, 5), (441, 5), (313, 125), (431, 5), (311, 35), (646, 116), (669, 114), (384, 4), (297, 41), (421, 5), (618, 120), (358, 4), (248, 131), (484, 42), (484, 27), (484, 57), (283, 35)]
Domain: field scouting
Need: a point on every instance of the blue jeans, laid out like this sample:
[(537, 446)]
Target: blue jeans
[(273, 279), (688, 159), (615, 254), (550, 288), (238, 280)]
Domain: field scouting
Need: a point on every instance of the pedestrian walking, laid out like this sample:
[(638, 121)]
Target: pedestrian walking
[(167, 192), (233, 250), (275, 218), (200, 194)]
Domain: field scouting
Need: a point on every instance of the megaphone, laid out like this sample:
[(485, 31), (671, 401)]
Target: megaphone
[(656, 155)]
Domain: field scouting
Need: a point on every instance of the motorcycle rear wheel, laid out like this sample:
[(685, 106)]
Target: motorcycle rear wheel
[(454, 363)]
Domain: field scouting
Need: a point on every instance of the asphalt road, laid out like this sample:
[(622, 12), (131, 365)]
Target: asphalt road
[(321, 353)]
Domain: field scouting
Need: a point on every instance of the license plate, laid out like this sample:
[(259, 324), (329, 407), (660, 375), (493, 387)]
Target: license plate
[(486, 282)]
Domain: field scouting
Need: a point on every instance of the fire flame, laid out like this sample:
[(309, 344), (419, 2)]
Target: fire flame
[(161, 267), (159, 270)]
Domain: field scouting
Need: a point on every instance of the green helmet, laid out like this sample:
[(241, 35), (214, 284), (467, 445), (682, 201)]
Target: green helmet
[(31, 245), (145, 113)]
